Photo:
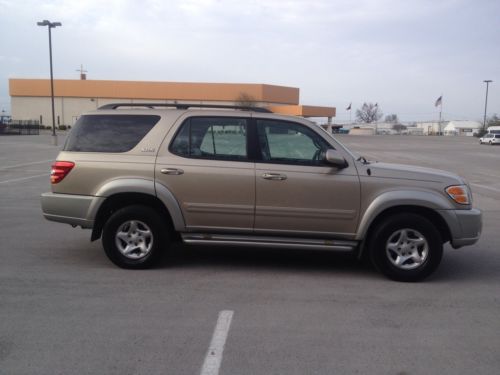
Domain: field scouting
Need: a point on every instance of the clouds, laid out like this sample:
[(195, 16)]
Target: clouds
[(402, 54)]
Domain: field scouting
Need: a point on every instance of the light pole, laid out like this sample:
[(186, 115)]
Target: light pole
[(487, 81), (51, 25)]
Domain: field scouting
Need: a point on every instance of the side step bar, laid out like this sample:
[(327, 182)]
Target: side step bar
[(264, 241)]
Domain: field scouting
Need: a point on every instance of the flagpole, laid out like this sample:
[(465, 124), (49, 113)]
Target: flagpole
[(440, 115), (349, 108), (439, 102)]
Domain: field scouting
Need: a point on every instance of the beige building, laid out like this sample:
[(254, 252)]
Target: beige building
[(453, 127), (463, 127), (431, 127), (30, 98)]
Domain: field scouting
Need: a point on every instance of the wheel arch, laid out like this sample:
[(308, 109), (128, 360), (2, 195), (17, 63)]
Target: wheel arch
[(430, 214), (119, 200)]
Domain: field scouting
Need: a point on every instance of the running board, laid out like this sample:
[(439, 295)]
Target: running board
[(274, 242)]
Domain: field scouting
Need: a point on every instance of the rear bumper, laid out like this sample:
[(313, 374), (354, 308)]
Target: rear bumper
[(76, 210), (465, 226)]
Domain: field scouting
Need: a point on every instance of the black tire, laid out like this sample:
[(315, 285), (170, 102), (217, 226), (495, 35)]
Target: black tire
[(135, 237), (396, 248)]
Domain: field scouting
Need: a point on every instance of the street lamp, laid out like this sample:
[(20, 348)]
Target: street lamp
[(51, 25), (487, 81)]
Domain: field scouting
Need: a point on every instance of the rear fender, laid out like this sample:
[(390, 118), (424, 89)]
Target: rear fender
[(143, 186)]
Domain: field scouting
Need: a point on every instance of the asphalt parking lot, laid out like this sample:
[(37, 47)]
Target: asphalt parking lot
[(65, 309)]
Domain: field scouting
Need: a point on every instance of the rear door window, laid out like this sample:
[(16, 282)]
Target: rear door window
[(109, 133), (220, 138)]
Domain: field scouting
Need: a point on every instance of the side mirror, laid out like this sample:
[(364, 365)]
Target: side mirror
[(334, 158)]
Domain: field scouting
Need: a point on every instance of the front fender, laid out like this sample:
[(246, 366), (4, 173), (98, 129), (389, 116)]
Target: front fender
[(391, 199)]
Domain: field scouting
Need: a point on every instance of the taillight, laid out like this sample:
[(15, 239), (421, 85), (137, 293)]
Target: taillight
[(60, 169)]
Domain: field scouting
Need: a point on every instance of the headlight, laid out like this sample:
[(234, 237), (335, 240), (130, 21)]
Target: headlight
[(459, 193)]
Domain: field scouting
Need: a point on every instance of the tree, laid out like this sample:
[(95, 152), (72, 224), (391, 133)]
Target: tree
[(493, 121), (392, 118), (368, 113), (245, 100), (399, 127)]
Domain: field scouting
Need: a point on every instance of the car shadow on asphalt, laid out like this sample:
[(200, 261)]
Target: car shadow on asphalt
[(265, 259), (456, 266)]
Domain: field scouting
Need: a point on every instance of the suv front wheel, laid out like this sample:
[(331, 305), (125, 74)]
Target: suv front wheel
[(135, 237), (406, 247)]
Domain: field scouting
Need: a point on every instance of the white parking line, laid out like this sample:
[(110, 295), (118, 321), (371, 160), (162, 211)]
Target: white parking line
[(24, 178), (214, 355), (25, 164)]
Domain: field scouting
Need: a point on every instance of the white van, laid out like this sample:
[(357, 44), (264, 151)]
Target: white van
[(490, 139), (493, 130)]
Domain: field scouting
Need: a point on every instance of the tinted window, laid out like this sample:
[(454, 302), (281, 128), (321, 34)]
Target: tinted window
[(290, 143), (109, 133), (212, 138)]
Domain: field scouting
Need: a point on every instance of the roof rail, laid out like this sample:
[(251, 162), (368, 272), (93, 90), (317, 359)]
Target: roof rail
[(185, 106)]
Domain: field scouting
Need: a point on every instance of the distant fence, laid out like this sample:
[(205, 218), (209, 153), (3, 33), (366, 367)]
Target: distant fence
[(20, 127)]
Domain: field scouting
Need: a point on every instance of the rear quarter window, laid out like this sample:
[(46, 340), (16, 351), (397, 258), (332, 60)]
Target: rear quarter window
[(109, 133)]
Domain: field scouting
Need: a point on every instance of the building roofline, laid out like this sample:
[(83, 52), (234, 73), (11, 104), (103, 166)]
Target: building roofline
[(303, 110), (144, 90)]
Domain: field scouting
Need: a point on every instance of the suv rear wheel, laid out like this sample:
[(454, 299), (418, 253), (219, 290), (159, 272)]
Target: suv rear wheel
[(406, 247), (135, 237)]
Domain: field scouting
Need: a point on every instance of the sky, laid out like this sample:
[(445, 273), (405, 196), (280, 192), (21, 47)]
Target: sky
[(400, 54)]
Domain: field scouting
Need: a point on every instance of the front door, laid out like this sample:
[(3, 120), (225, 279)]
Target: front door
[(297, 192)]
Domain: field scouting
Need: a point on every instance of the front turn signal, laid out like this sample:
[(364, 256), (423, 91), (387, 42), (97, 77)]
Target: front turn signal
[(459, 193)]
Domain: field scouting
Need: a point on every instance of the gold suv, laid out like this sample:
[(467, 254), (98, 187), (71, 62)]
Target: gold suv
[(140, 175)]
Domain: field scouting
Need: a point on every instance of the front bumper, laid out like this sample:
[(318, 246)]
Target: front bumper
[(465, 226), (76, 210)]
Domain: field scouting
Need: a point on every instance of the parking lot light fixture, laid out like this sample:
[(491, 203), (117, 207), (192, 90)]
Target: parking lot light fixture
[(487, 81), (51, 25)]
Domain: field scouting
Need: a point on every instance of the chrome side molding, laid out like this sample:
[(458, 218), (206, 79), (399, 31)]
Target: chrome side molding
[(268, 241)]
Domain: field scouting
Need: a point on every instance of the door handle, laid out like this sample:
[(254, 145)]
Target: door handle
[(171, 171), (274, 176)]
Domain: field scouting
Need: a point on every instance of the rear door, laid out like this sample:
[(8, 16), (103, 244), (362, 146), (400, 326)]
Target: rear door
[(206, 166)]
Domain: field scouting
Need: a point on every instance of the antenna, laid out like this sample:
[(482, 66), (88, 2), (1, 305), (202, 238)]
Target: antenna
[(83, 75)]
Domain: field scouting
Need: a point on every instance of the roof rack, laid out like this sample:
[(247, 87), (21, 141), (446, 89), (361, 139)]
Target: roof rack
[(185, 106)]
